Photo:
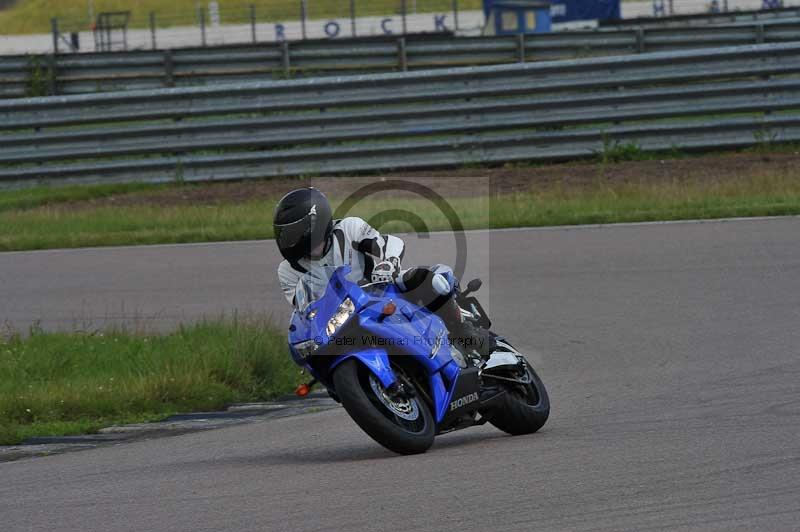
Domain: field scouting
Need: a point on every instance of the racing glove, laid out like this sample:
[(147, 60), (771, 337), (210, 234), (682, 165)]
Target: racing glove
[(386, 271)]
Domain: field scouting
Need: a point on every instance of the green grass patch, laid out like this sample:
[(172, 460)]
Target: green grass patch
[(70, 383), (641, 203), (610, 203), (54, 227), (43, 221), (25, 198)]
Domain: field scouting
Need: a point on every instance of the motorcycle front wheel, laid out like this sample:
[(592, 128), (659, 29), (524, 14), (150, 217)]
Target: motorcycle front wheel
[(405, 426)]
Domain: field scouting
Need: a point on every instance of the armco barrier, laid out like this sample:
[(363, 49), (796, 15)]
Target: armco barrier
[(87, 73), (699, 99)]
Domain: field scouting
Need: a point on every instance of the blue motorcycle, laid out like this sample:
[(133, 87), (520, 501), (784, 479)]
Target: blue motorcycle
[(395, 370)]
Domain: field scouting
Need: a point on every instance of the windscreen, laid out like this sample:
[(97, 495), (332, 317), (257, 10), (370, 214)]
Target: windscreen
[(312, 285)]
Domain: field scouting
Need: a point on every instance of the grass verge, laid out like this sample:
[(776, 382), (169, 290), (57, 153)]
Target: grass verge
[(37, 196), (60, 384), (46, 221)]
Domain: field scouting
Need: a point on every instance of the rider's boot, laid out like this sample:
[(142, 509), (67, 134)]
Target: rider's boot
[(463, 333)]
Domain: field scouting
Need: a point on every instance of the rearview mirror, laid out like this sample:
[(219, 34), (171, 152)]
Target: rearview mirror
[(472, 286)]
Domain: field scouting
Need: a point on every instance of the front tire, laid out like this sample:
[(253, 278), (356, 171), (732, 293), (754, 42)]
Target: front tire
[(525, 408), (405, 427)]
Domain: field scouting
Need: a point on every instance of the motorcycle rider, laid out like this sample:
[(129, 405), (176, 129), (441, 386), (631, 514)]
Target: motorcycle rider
[(308, 237)]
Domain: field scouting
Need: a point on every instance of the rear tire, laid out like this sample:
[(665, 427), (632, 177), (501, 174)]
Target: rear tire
[(361, 399), (524, 409)]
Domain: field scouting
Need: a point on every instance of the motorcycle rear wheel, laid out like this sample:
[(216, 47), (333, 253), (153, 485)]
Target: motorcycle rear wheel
[(525, 408), (402, 426)]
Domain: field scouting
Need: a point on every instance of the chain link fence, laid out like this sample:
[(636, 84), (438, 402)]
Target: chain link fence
[(222, 22), (216, 23)]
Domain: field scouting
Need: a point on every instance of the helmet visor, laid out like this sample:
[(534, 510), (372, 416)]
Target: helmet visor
[(289, 236), (299, 238)]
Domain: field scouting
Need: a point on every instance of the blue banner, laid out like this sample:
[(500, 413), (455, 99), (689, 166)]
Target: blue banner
[(569, 10)]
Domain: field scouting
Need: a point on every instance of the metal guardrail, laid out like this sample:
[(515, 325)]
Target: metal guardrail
[(700, 99), (85, 73)]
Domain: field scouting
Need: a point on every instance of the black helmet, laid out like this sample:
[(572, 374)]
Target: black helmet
[(303, 220)]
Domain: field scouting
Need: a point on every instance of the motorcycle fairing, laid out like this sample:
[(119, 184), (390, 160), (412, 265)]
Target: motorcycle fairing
[(376, 360), (411, 331), (311, 324)]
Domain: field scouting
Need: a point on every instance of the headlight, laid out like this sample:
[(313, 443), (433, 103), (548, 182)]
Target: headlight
[(306, 349), (344, 311)]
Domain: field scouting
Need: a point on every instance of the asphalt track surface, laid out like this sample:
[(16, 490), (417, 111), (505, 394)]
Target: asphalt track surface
[(671, 353)]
